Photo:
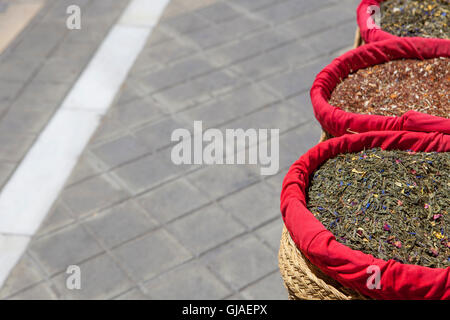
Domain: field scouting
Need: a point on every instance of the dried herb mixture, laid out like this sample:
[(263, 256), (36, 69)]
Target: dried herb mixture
[(390, 204), (416, 18), (395, 87)]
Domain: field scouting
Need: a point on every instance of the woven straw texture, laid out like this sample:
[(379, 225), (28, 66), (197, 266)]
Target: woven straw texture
[(303, 280), (358, 40)]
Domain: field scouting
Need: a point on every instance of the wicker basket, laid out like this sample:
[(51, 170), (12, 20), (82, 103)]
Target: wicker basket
[(302, 279), (358, 40)]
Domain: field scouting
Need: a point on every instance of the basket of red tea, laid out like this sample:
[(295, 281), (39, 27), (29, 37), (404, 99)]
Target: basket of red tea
[(388, 19), (399, 84), (367, 216)]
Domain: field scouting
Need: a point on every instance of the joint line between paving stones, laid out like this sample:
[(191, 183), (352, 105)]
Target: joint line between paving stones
[(114, 35), (35, 72), (111, 173), (163, 226), (250, 80)]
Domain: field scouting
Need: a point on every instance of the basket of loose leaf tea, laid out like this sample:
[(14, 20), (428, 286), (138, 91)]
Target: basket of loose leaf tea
[(399, 84), (388, 19), (367, 216)]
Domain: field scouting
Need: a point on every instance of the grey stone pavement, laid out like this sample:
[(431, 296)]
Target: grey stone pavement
[(139, 226)]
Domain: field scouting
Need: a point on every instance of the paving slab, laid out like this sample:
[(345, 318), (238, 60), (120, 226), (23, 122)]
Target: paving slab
[(137, 225), (41, 291), (271, 287), (189, 281), (120, 224), (41, 64), (151, 255), (205, 229), (101, 279), (159, 202), (242, 262), (68, 246), (25, 275), (253, 213)]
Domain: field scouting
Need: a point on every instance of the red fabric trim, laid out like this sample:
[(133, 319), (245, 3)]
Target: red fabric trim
[(364, 19), (364, 16), (349, 267), (338, 122)]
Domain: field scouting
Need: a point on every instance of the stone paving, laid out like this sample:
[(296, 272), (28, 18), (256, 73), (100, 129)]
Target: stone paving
[(40, 67), (139, 226)]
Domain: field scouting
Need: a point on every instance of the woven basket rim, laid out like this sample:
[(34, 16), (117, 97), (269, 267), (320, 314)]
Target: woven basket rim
[(359, 47), (394, 135), (325, 81), (292, 280), (363, 14), (303, 280)]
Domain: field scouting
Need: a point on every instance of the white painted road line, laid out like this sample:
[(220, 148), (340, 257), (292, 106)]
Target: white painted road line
[(143, 13), (34, 187), (38, 180), (99, 83), (11, 248)]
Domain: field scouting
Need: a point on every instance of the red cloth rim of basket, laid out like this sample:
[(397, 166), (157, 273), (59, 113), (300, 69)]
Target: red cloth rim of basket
[(363, 16), (350, 267), (338, 122)]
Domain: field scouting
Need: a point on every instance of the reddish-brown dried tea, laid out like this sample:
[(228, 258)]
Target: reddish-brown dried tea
[(395, 87)]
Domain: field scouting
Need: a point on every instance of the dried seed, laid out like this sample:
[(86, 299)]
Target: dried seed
[(395, 87)]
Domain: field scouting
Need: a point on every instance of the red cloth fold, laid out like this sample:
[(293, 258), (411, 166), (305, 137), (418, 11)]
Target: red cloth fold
[(350, 267), (338, 122), (365, 20)]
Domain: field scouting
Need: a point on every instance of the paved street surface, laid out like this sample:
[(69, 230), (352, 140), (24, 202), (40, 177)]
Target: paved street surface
[(138, 226)]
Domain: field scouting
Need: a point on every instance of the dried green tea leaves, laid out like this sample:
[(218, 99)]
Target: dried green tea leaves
[(416, 18), (390, 204), (395, 87)]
